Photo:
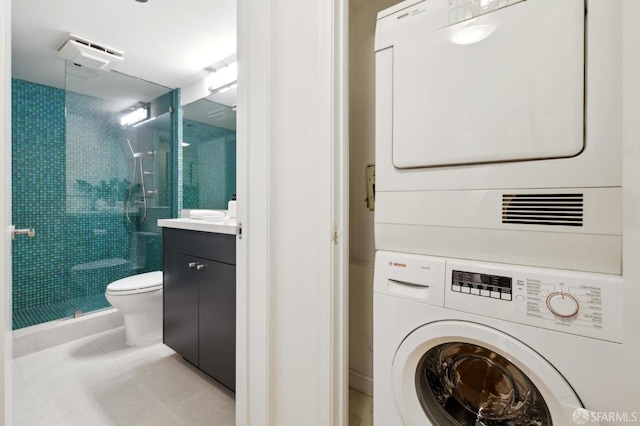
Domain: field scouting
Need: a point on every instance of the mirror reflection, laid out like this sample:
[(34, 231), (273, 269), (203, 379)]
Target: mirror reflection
[(208, 155)]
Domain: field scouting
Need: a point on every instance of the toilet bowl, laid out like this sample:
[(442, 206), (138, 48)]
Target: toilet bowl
[(139, 298)]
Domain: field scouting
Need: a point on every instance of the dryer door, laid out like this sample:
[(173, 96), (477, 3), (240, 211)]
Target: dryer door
[(505, 85), (455, 373)]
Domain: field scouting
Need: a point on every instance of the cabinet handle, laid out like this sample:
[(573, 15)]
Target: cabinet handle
[(201, 267), (192, 264)]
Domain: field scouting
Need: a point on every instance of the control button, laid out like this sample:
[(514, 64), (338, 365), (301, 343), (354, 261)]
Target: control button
[(520, 298), (475, 291), (485, 293), (466, 290), (506, 296), (495, 294), (456, 287), (563, 305)]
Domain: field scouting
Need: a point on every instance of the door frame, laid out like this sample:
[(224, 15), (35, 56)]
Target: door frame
[(6, 394), (263, 80)]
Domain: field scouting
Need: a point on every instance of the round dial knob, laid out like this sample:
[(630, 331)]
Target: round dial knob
[(563, 305)]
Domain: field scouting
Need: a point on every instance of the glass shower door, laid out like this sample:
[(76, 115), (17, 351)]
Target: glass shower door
[(92, 185)]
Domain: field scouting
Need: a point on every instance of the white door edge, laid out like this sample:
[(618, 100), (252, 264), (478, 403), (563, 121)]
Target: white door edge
[(253, 387), (257, 392), (6, 394)]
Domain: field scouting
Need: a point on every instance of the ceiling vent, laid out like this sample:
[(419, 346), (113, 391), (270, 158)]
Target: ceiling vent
[(86, 53), (543, 209)]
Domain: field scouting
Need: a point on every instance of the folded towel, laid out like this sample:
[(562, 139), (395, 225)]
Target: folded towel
[(208, 214)]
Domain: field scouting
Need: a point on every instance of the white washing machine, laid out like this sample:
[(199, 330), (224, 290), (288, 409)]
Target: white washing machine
[(458, 342)]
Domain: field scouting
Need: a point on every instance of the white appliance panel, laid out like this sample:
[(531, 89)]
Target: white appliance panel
[(463, 104), (528, 295)]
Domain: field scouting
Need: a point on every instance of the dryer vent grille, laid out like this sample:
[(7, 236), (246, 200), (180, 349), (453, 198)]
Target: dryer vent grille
[(543, 209)]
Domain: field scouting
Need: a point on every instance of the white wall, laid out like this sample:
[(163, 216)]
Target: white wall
[(362, 21), (631, 194), (288, 134), (5, 214)]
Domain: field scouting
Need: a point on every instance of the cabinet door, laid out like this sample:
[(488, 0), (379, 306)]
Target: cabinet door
[(218, 322), (181, 305)]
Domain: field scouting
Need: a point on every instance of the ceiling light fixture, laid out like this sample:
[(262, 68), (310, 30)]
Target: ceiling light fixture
[(144, 121), (135, 115), (223, 78)]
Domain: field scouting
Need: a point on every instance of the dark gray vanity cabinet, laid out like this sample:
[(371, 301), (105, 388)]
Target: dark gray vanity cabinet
[(199, 276)]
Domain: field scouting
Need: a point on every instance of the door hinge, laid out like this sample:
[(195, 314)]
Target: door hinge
[(335, 235), (239, 230)]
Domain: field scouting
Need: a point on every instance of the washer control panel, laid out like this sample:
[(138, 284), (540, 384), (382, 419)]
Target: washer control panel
[(461, 10), (579, 303), (485, 285)]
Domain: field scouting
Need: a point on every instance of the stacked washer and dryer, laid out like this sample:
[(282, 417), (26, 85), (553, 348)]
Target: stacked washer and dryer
[(498, 223)]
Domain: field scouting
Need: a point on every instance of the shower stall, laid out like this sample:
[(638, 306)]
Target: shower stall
[(95, 165)]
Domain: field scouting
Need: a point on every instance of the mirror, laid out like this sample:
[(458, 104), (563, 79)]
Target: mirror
[(208, 155)]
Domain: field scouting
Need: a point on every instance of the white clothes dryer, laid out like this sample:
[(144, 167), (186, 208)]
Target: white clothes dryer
[(460, 343), (499, 121)]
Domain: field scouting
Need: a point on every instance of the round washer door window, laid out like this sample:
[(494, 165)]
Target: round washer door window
[(454, 373)]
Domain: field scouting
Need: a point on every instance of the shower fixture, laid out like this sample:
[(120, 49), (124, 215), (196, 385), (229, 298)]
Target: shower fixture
[(138, 156)]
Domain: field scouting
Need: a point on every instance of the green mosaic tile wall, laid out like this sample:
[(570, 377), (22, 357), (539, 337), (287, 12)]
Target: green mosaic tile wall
[(38, 187), (209, 166), (82, 243)]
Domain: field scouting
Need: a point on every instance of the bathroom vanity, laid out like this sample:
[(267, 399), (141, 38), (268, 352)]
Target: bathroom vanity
[(199, 276)]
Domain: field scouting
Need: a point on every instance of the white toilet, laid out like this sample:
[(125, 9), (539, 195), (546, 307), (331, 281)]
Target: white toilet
[(139, 298)]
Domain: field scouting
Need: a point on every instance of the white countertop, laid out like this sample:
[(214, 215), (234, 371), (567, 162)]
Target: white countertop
[(220, 226)]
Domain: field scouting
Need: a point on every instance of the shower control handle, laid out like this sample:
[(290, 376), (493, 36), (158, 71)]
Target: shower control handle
[(192, 264), (26, 231)]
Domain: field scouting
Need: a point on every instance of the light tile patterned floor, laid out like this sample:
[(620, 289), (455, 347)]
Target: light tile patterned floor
[(99, 381), (360, 409)]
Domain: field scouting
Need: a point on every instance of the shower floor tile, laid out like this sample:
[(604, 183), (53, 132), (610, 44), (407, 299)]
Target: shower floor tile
[(54, 311), (99, 380)]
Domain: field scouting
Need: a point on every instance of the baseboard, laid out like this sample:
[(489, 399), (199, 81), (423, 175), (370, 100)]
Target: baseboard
[(43, 336), (360, 382)]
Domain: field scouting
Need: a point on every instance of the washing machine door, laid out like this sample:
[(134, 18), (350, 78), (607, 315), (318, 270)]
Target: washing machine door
[(456, 373)]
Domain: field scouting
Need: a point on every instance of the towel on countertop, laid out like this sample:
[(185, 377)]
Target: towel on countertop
[(206, 214)]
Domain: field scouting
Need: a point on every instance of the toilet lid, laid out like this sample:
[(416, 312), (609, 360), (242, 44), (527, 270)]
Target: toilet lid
[(147, 281)]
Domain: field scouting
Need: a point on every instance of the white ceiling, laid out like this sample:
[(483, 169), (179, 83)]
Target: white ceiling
[(167, 42)]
